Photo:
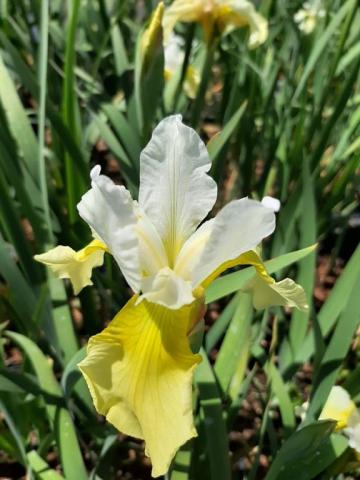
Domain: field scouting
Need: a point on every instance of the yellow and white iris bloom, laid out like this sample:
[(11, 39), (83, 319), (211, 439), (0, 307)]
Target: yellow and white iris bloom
[(221, 16), (342, 409), (139, 368), (307, 17)]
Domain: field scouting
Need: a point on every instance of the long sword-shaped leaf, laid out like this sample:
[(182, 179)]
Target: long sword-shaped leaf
[(59, 418)]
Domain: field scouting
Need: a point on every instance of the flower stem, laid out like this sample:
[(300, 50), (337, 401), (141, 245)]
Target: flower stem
[(205, 77)]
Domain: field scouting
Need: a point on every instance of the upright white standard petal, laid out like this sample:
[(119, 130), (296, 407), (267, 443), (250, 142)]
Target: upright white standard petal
[(175, 191), (239, 226), (109, 211)]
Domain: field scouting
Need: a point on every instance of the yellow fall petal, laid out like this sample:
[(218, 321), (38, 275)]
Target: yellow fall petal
[(77, 266), (139, 372), (232, 14)]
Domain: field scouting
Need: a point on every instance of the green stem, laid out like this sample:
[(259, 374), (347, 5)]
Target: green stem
[(205, 77), (69, 107), (42, 109), (188, 47)]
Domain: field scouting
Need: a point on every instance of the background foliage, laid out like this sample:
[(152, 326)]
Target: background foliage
[(75, 90)]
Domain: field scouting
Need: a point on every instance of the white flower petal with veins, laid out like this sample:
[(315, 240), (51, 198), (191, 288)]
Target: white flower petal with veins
[(175, 191), (240, 226), (109, 211)]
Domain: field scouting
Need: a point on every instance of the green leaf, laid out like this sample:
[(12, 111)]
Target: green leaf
[(335, 353), (306, 272), (73, 380), (21, 294), (62, 320), (127, 135), (217, 143), (280, 391), (119, 50), (74, 189), (236, 344), (18, 382), (211, 416), (16, 434), (18, 121), (321, 45), (60, 418), (10, 223), (333, 306), (30, 82), (43, 54), (218, 328), (120, 154), (41, 468), (72, 374), (307, 452)]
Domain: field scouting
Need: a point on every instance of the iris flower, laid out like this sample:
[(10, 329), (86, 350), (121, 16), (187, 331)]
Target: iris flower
[(221, 16), (342, 409), (307, 17), (139, 368)]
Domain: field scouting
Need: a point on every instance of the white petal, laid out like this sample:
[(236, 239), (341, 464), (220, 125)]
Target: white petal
[(175, 191), (353, 434), (174, 53), (109, 211), (167, 289), (339, 407), (239, 226), (192, 249), (272, 203), (354, 418), (151, 249)]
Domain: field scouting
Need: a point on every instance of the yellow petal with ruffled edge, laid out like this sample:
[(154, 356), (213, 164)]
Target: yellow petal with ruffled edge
[(265, 290), (181, 11), (268, 293), (139, 372), (338, 407), (232, 14), (77, 266)]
